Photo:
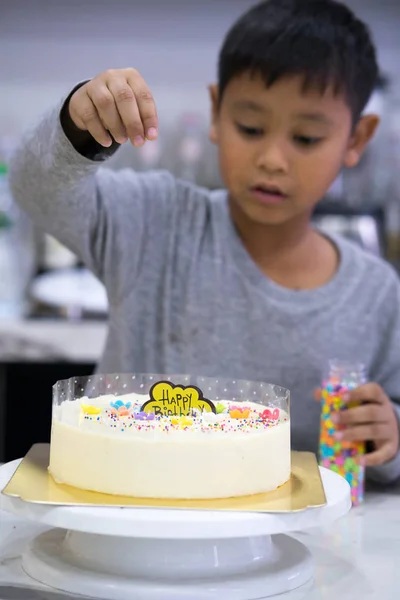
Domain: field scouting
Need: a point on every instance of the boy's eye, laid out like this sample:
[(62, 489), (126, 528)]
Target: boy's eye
[(305, 140), (249, 131)]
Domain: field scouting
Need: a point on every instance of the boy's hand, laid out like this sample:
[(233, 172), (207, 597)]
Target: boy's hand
[(373, 421), (117, 102)]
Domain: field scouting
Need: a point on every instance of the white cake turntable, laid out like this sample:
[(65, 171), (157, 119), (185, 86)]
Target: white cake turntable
[(155, 554)]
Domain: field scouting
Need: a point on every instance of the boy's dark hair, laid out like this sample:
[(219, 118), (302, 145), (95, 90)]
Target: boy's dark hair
[(321, 40)]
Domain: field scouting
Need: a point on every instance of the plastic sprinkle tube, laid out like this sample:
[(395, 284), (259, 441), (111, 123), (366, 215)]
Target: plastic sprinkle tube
[(342, 457)]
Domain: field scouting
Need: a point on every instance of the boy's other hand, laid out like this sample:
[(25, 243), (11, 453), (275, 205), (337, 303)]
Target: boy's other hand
[(116, 102), (373, 420)]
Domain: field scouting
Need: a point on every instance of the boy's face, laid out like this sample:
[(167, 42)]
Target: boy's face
[(281, 148)]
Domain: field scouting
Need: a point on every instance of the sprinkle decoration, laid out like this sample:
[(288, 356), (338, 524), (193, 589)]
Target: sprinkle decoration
[(142, 416), (120, 404), (268, 415), (185, 422), (228, 418), (238, 412), (90, 410), (342, 457)]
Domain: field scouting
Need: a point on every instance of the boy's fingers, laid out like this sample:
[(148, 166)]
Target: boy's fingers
[(370, 392), (362, 433), (128, 110), (366, 413), (146, 104), (90, 120), (383, 454), (104, 102)]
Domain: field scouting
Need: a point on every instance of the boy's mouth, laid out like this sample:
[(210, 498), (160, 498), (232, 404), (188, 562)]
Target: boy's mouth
[(268, 194)]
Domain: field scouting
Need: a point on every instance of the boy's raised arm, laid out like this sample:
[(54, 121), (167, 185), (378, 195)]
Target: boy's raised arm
[(101, 215)]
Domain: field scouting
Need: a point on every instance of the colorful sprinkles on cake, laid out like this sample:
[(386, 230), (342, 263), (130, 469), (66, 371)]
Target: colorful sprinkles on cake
[(229, 417), (342, 457)]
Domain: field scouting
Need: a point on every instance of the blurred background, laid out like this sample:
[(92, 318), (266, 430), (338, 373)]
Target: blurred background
[(53, 313)]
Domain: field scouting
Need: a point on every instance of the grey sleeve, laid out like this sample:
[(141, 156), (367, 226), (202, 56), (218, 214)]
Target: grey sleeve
[(387, 369), (103, 216)]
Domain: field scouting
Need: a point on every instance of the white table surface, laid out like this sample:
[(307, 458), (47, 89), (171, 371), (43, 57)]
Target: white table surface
[(358, 558)]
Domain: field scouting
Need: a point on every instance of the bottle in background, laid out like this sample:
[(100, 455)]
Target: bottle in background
[(184, 153), (55, 255), (342, 457), (17, 252)]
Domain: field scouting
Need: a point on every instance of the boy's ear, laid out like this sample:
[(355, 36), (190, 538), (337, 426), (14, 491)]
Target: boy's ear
[(214, 98), (363, 134)]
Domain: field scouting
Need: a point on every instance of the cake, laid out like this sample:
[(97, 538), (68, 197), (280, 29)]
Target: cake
[(132, 445)]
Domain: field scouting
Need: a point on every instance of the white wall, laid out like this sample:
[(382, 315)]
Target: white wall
[(46, 46)]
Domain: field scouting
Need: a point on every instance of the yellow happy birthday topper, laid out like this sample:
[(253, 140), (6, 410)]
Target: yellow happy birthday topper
[(167, 399)]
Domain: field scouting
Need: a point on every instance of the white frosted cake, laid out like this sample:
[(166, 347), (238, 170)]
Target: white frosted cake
[(110, 444)]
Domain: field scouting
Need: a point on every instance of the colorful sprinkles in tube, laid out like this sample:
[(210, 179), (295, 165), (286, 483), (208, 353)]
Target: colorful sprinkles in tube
[(342, 457)]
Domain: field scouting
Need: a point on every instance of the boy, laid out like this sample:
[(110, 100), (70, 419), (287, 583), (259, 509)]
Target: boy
[(235, 283)]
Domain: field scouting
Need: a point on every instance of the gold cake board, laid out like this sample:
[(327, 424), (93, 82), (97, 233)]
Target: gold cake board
[(32, 483)]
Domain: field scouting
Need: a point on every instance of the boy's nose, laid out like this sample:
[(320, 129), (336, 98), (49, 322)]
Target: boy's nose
[(272, 158)]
